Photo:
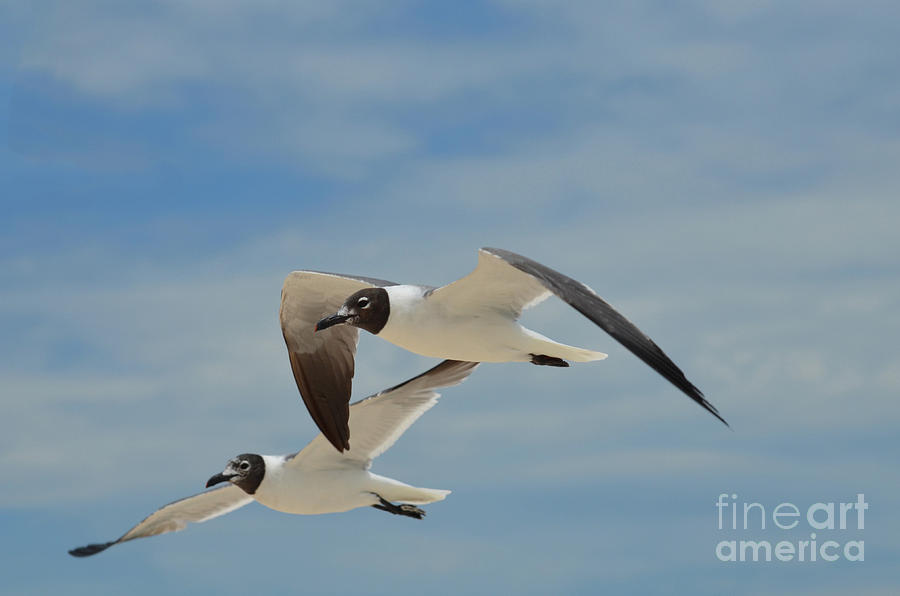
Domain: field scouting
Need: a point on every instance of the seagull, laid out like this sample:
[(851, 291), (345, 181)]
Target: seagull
[(472, 319), (317, 479)]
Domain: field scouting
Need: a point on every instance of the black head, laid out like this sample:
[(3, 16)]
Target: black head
[(367, 309), (245, 471)]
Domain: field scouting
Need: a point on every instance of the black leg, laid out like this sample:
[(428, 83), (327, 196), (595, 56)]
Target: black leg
[(407, 510), (544, 360)]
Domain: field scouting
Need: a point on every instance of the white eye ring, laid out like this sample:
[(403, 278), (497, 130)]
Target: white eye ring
[(245, 465), (363, 302)]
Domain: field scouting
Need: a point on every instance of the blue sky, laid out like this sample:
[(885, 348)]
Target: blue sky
[(725, 173)]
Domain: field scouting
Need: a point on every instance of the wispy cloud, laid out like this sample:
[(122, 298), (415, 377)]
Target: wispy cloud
[(722, 172)]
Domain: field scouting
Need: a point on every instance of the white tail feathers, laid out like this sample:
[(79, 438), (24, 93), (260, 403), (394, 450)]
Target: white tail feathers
[(400, 492), (421, 496), (548, 347), (582, 355)]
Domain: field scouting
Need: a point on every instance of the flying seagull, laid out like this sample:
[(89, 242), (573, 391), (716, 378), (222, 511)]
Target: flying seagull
[(318, 479), (471, 319)]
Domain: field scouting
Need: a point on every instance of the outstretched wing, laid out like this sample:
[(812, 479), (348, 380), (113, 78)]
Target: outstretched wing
[(322, 362), (587, 302), (376, 422), (175, 516)]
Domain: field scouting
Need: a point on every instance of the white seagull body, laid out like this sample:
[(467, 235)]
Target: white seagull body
[(304, 491), (472, 319), (318, 479), (436, 323)]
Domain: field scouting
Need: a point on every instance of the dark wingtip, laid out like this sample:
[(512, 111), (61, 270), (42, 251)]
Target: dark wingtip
[(338, 442), (90, 549), (341, 447), (715, 413), (698, 397), (725, 422)]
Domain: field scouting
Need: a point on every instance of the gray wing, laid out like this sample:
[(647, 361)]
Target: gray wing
[(379, 420), (492, 286), (175, 516), (322, 362), (587, 302)]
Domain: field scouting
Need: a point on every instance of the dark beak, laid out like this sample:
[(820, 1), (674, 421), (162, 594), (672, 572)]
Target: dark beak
[(217, 479), (331, 320)]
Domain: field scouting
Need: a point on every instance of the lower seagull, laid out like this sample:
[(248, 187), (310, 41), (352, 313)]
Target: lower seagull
[(318, 479)]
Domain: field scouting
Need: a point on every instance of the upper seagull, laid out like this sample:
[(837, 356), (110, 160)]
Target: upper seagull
[(318, 479), (472, 319)]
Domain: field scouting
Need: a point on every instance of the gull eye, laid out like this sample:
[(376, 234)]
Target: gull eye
[(363, 302), (245, 465)]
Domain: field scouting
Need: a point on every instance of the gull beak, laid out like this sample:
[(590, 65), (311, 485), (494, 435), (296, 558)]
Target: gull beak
[(337, 318), (218, 478)]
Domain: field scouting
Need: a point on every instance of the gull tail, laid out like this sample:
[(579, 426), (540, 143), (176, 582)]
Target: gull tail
[(544, 346), (398, 492), (420, 496)]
